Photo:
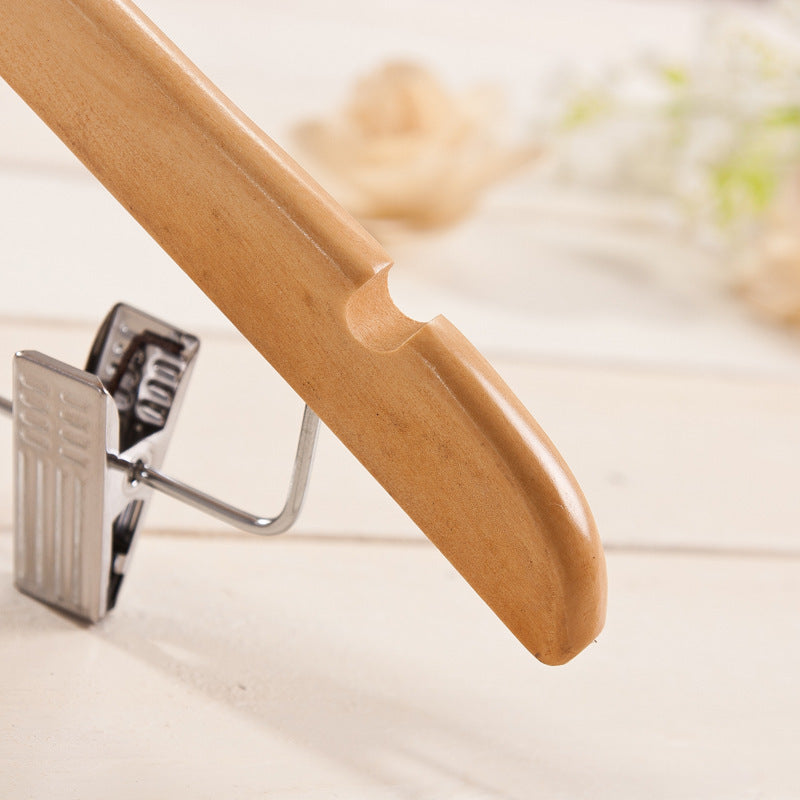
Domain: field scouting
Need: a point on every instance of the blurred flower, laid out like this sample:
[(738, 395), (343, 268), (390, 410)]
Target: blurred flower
[(718, 133), (717, 137), (406, 149), (771, 280)]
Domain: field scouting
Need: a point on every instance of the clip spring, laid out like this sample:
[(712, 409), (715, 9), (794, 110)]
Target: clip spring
[(88, 447)]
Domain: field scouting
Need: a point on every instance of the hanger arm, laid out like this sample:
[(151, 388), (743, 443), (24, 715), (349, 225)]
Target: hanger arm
[(416, 403)]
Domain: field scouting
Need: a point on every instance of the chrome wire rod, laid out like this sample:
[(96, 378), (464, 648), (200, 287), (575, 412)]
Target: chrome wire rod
[(140, 473)]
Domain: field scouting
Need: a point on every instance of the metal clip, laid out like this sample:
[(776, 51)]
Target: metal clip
[(88, 447)]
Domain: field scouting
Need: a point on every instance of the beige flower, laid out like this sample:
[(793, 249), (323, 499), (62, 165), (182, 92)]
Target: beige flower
[(406, 149), (771, 280)]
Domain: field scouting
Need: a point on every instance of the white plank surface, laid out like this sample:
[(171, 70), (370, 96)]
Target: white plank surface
[(679, 413), (666, 459), (516, 279), (294, 669)]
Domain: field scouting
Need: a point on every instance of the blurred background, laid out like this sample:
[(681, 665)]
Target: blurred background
[(604, 197)]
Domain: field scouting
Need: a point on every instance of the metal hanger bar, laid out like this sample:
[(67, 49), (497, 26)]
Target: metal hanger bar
[(139, 472)]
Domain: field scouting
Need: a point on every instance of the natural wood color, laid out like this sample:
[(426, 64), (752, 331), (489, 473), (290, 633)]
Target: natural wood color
[(416, 403)]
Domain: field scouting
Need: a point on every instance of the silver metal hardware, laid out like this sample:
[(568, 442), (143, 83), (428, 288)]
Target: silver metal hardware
[(64, 420), (261, 525), (88, 447)]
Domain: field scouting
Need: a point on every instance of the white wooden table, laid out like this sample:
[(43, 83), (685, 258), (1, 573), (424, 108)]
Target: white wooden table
[(338, 668), (348, 659)]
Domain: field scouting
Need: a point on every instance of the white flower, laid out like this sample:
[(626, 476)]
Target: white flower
[(406, 149), (771, 280)]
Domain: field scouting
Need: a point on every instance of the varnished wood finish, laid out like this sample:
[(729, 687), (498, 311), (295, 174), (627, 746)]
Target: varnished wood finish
[(416, 403)]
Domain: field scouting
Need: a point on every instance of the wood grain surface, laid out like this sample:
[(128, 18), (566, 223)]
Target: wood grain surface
[(416, 403)]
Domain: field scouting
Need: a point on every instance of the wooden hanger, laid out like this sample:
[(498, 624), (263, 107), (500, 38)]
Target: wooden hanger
[(416, 403)]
